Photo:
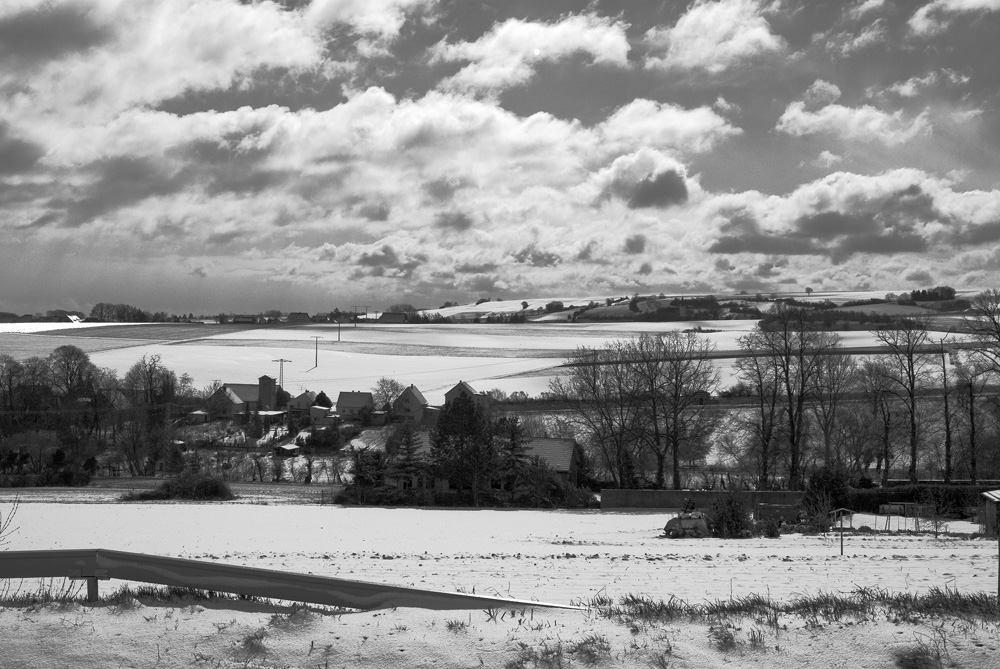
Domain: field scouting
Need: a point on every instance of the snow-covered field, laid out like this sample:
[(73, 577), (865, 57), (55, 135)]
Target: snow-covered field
[(550, 556)]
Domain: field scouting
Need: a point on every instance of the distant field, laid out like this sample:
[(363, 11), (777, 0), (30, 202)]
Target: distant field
[(21, 346), (889, 310), (152, 331)]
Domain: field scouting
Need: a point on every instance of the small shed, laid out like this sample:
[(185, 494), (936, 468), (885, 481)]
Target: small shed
[(988, 519), (988, 513), (286, 450)]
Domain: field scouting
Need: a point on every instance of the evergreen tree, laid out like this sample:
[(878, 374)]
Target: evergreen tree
[(462, 447), (513, 454), (407, 462)]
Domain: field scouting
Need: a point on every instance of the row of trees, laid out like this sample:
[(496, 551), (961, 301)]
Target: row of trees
[(923, 401), (59, 412)]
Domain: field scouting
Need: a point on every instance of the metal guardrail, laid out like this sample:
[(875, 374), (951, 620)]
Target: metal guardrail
[(97, 564)]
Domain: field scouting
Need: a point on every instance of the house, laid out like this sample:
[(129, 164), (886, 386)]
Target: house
[(298, 318), (410, 405), (244, 320), (299, 406), (235, 399), (481, 400), (321, 416), (352, 404), (563, 456), (394, 318)]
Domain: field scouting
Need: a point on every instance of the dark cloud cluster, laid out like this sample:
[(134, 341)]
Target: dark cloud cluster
[(385, 261), (531, 255), (49, 32), (877, 226), (635, 244), (453, 220), (658, 190)]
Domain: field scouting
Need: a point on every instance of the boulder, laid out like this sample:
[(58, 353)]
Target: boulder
[(693, 524)]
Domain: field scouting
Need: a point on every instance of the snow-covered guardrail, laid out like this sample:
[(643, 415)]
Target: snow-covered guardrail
[(99, 564)]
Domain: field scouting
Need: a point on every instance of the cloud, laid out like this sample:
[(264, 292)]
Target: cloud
[(380, 17), (643, 179), (376, 211), (920, 276), (663, 125), (645, 269), (658, 190), (32, 35), (156, 51), (635, 244), (936, 16), (444, 188), (844, 215), (860, 124), (713, 37), (821, 93), (530, 255), (453, 220), (506, 55), (17, 155)]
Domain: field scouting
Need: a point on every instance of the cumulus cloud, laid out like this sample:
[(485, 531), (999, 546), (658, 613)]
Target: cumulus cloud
[(380, 17), (666, 126), (643, 179), (507, 54), (937, 16), (713, 37), (140, 53), (859, 124), (844, 214)]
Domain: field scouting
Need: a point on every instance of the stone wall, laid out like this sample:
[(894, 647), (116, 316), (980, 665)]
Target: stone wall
[(674, 499)]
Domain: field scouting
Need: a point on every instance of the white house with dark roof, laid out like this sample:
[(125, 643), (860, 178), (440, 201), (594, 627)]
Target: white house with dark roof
[(351, 404), (481, 400), (411, 405)]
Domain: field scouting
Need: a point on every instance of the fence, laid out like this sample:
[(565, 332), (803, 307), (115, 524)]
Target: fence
[(98, 564), (674, 499)]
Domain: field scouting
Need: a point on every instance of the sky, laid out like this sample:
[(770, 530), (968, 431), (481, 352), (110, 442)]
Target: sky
[(214, 155)]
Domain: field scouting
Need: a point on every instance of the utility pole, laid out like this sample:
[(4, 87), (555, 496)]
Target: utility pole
[(317, 338), (281, 371)]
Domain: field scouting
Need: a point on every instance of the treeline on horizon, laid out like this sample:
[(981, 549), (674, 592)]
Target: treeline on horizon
[(825, 312)]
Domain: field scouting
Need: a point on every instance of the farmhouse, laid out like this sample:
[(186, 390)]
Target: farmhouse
[(353, 404), (235, 399), (481, 400), (391, 317), (299, 405), (298, 318), (410, 405)]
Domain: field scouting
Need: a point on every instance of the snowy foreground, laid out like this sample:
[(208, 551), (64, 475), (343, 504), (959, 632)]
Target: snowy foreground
[(551, 556)]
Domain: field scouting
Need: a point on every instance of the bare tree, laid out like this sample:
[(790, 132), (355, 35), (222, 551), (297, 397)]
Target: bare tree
[(796, 350), (907, 369), (881, 400), (758, 372), (984, 325), (972, 378), (600, 391), (836, 379), (386, 391), (676, 375)]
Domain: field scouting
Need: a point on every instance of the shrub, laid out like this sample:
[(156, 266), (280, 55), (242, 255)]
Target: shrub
[(769, 528), (189, 485), (730, 516)]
